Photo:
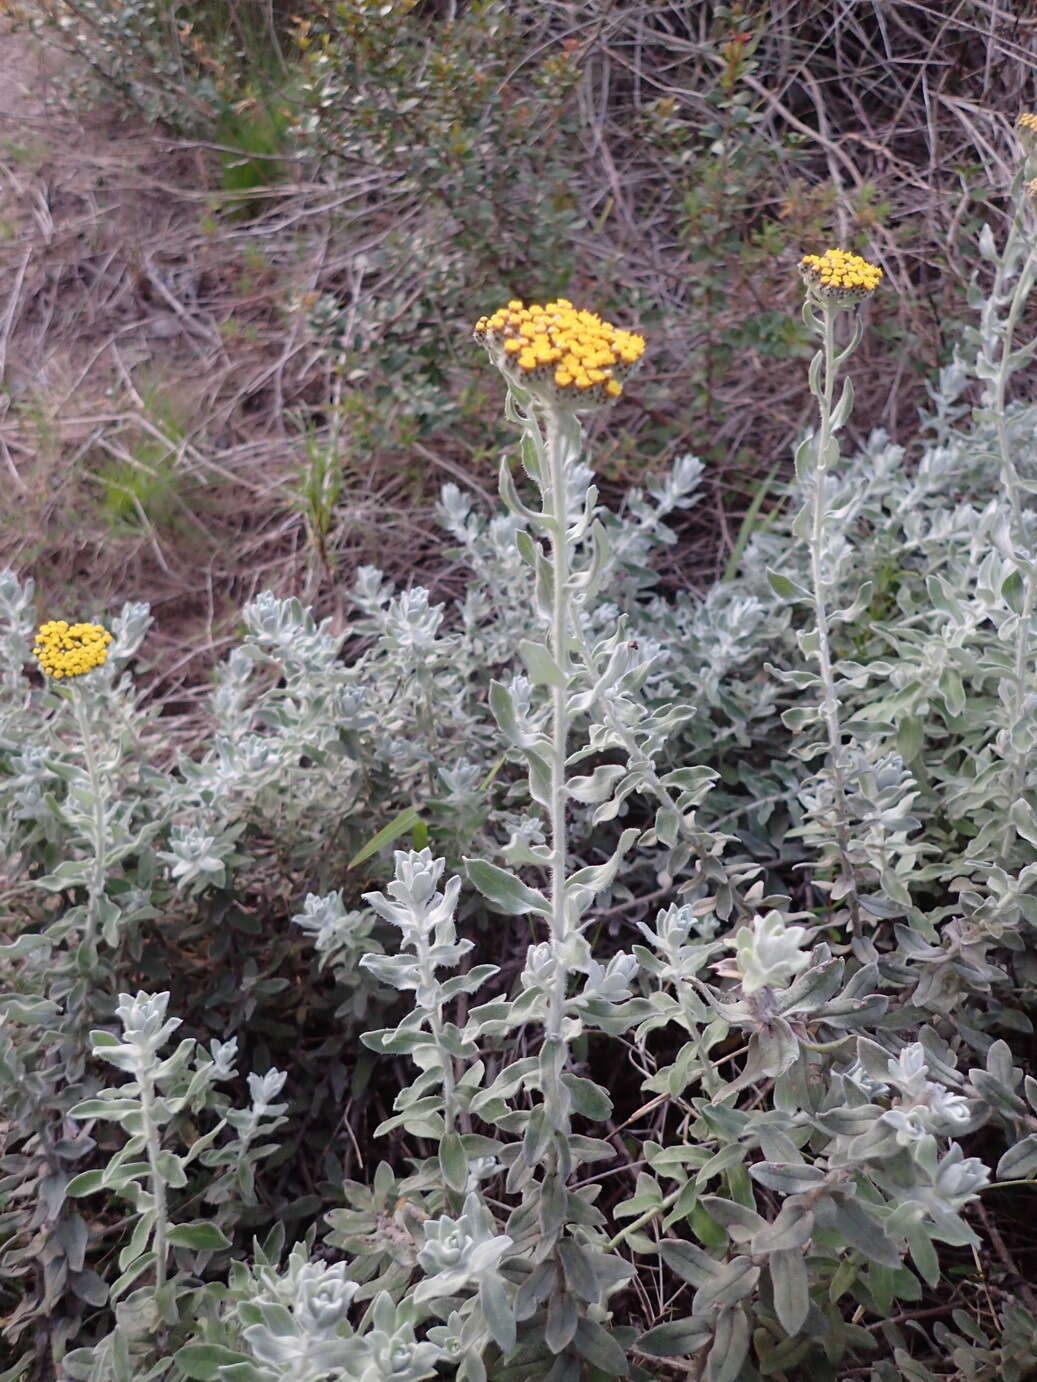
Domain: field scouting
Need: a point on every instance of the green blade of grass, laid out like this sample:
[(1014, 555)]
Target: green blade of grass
[(748, 523), (399, 825)]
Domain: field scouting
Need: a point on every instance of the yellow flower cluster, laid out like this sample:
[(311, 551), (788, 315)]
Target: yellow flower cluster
[(560, 352), (838, 277), (1026, 129), (68, 650)]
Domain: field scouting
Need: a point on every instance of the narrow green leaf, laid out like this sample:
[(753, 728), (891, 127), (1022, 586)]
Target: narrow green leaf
[(748, 525), (398, 826)]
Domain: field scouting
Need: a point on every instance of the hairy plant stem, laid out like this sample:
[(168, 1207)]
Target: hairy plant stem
[(635, 1225), (829, 695), (435, 1022), (158, 1184), (99, 832), (558, 522), (1026, 559)]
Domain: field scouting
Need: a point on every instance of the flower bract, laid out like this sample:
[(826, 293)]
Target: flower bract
[(561, 353), (68, 650)]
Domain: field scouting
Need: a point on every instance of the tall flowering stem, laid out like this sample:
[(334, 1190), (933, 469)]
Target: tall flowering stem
[(998, 360), (559, 362), (65, 651), (835, 281)]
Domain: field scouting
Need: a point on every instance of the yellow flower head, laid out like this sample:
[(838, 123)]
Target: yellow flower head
[(1030, 188), (838, 277), (1026, 130), (562, 354), (68, 650)]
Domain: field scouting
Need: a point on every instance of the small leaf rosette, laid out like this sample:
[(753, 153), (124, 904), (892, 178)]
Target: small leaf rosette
[(564, 356), (838, 278), (68, 650)]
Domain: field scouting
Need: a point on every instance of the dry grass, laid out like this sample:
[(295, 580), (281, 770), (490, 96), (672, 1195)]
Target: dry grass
[(157, 370)]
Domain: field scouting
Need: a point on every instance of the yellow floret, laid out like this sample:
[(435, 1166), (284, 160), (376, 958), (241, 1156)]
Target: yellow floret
[(568, 352), (838, 277), (69, 650)]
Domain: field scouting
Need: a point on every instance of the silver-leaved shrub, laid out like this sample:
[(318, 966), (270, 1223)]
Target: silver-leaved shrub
[(687, 1033)]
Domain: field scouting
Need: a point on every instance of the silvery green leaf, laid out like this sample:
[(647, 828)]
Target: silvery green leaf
[(923, 1254), (812, 990), (506, 892), (862, 1232), (735, 1280), (588, 1098), (578, 1267), (24, 944), (677, 1338), (600, 1349), (204, 1362), (86, 1183), (123, 1283), (200, 1236), (690, 1262), (453, 1161), (114, 1109), (563, 1316), (1020, 1161), (540, 664), (790, 1230), (534, 1289), (844, 407), (497, 1310), (787, 1179), (598, 786), (730, 1347), (787, 589), (741, 1222), (791, 1287)]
